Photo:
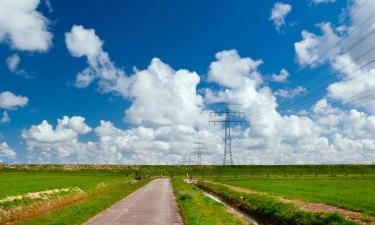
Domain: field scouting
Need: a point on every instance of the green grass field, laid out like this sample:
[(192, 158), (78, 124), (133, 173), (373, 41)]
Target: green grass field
[(100, 190), (347, 186), (200, 171), (355, 193), (198, 209), (82, 211), (22, 183), (270, 210)]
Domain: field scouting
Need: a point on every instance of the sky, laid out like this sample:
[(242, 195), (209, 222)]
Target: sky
[(134, 82)]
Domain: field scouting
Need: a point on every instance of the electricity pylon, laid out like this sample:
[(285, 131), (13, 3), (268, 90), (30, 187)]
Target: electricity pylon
[(227, 118), (199, 146)]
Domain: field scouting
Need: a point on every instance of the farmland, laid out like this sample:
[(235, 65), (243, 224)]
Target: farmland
[(354, 193), (47, 196), (21, 183), (82, 191)]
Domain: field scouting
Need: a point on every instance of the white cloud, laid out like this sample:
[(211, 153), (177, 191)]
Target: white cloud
[(61, 141), (12, 62), (48, 5), (279, 11), (171, 96), (230, 70), (66, 130), (6, 152), (322, 1), (255, 99), (314, 50), (174, 90), (23, 27), (168, 114), (164, 144), (5, 118), (346, 50), (281, 77), (83, 42), (290, 93), (10, 101)]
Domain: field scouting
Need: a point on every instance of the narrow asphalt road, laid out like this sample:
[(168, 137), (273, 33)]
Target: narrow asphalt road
[(153, 204)]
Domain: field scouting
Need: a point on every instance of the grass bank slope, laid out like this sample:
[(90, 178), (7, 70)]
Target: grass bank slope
[(271, 210), (197, 209)]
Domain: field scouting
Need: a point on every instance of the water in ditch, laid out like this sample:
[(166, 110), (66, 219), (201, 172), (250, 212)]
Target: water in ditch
[(232, 210)]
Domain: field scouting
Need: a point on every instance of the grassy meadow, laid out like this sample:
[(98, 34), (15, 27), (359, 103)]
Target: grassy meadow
[(100, 186), (356, 193), (81, 211), (270, 210), (22, 183), (44, 195)]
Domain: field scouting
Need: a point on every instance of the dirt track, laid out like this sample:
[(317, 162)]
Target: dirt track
[(153, 204)]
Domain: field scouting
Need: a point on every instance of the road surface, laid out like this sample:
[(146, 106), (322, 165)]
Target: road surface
[(153, 204)]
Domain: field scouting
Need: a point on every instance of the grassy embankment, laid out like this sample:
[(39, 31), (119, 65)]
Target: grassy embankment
[(96, 191), (198, 209), (82, 211), (271, 210), (355, 193)]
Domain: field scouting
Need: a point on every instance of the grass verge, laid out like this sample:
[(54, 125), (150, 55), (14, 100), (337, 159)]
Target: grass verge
[(271, 210), (197, 209), (82, 208)]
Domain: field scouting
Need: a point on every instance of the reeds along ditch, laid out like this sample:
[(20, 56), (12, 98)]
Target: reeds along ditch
[(271, 211)]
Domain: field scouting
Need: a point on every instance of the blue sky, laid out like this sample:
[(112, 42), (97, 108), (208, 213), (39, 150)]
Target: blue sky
[(182, 34)]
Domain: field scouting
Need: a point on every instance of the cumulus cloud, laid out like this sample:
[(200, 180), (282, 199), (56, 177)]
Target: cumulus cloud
[(168, 113), (5, 118), (322, 1), (174, 90), (279, 11), (6, 152), (281, 77), (12, 62), (10, 101), (23, 27), (164, 144), (254, 98), (347, 51), (231, 71), (313, 50), (82, 42), (290, 93), (61, 141)]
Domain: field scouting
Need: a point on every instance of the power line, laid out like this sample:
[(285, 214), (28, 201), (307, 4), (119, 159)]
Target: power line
[(306, 101), (305, 98), (326, 66), (363, 22)]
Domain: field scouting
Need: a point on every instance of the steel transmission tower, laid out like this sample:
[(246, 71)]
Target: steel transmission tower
[(227, 117), (199, 146)]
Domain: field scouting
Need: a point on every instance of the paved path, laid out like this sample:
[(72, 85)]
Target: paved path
[(153, 204)]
